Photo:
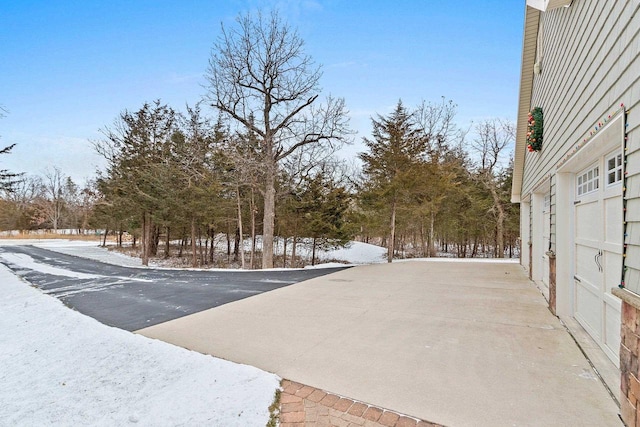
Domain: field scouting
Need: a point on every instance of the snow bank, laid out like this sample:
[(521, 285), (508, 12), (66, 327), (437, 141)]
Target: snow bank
[(90, 250), (357, 253), (59, 367)]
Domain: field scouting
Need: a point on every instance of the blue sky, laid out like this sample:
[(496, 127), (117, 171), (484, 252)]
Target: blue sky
[(68, 68)]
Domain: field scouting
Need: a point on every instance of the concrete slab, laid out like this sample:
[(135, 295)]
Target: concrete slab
[(456, 343)]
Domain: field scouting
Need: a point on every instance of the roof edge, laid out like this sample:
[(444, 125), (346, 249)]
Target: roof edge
[(529, 41)]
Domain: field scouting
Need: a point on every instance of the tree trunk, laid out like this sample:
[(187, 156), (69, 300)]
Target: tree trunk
[(205, 260), (167, 244), (392, 234), (155, 232), (104, 240), (313, 253), (432, 234), (474, 250), (240, 233), (143, 245), (293, 251), (147, 237), (200, 246), (212, 234), (268, 223), (236, 245), (194, 253), (253, 231), (499, 222), (284, 253)]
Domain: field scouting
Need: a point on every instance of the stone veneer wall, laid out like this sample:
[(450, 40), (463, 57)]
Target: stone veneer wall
[(530, 261), (552, 283), (629, 357)]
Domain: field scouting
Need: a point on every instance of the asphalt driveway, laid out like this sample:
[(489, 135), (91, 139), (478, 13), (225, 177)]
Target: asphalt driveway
[(135, 298)]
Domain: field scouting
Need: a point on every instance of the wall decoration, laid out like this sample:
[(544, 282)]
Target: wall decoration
[(534, 130)]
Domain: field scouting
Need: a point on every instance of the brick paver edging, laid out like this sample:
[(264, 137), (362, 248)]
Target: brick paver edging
[(305, 406)]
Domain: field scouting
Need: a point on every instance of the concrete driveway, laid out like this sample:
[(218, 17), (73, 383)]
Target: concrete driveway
[(454, 343)]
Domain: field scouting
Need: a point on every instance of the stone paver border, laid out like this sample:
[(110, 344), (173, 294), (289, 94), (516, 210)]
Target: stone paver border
[(305, 406)]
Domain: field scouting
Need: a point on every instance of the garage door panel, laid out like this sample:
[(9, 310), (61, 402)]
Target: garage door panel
[(589, 309), (586, 267), (588, 220), (613, 219), (612, 270), (546, 239), (612, 330)]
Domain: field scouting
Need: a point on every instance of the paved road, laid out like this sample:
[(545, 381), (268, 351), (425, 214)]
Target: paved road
[(135, 298)]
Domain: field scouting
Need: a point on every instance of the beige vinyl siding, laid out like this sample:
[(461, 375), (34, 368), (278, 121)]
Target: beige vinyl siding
[(590, 65)]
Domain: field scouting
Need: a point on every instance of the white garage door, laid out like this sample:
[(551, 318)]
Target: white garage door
[(546, 237), (598, 251)]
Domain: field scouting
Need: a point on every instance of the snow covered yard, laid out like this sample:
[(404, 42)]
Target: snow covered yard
[(354, 253), (59, 367)]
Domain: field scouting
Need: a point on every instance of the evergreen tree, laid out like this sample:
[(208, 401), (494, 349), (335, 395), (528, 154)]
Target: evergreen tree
[(323, 205), (396, 151)]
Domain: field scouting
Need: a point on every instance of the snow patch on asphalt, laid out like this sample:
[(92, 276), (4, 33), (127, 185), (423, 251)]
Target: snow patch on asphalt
[(59, 367), (25, 261)]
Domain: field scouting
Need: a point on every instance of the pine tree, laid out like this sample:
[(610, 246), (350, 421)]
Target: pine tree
[(323, 206), (395, 152)]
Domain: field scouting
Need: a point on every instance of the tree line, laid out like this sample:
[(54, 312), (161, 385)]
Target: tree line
[(255, 161)]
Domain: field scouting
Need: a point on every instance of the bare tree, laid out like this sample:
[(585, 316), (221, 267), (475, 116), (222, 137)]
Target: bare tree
[(436, 120), (260, 76), (53, 190), (7, 179), (493, 138)]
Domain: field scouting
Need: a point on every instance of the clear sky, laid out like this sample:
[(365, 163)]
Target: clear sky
[(69, 67)]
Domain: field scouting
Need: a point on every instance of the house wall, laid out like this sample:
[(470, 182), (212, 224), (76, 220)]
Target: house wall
[(590, 60)]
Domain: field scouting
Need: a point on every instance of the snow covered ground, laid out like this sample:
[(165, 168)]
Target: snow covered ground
[(90, 250), (355, 253), (59, 367)]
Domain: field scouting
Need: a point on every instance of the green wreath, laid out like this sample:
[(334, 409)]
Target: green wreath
[(534, 130)]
